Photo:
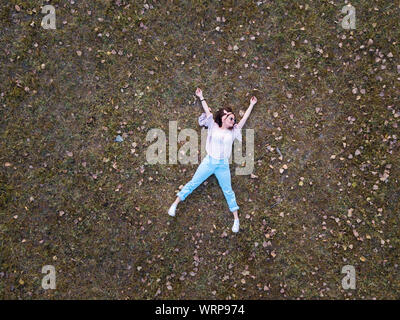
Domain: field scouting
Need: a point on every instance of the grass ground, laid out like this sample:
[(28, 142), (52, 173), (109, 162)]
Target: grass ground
[(72, 197)]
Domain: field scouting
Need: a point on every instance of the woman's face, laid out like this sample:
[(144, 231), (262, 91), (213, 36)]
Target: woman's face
[(228, 119)]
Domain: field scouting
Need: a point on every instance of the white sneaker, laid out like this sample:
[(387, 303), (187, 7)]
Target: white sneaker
[(172, 209), (235, 227)]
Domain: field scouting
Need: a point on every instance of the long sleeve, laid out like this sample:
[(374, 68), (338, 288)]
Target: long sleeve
[(237, 132), (206, 121)]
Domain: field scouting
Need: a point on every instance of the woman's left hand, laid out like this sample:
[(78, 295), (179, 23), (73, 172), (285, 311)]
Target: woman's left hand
[(253, 100)]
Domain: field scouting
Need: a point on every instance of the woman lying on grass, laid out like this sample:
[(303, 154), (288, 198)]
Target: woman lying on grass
[(222, 131)]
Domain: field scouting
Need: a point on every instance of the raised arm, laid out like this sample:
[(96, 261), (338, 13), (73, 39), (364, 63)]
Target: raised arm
[(253, 101), (199, 93)]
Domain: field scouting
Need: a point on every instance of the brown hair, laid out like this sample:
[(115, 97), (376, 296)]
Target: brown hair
[(220, 113)]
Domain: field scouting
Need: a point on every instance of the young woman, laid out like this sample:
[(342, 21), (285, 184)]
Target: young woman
[(222, 131)]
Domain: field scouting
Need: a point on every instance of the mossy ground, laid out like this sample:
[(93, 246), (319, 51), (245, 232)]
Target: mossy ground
[(72, 197)]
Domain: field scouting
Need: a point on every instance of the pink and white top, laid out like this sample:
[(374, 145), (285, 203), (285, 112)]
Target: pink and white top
[(219, 141)]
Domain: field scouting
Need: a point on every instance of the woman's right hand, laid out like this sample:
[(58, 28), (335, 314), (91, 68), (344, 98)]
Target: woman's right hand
[(199, 93)]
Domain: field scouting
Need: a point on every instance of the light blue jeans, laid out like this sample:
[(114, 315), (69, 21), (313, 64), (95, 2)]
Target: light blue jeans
[(206, 168)]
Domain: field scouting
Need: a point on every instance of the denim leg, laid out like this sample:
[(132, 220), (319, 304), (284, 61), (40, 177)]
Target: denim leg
[(224, 179), (204, 170)]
